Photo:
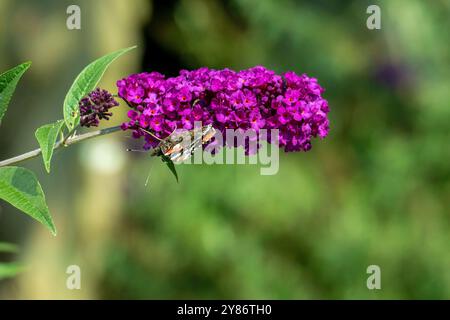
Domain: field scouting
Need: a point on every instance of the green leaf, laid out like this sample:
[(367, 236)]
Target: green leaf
[(170, 165), (46, 136), (8, 83), (85, 82), (7, 247), (8, 270), (20, 187)]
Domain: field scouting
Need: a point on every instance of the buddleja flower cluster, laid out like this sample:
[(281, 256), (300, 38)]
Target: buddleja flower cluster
[(95, 107), (255, 98)]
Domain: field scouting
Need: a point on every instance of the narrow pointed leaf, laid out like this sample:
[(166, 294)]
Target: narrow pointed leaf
[(46, 136), (20, 187), (85, 82), (170, 165), (8, 83)]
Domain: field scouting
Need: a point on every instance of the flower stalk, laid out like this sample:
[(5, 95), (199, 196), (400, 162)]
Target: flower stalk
[(63, 142)]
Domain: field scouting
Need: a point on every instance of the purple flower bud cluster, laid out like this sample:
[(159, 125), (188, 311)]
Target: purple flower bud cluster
[(255, 98), (95, 107)]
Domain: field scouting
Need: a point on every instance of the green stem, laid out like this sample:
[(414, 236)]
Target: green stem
[(65, 142)]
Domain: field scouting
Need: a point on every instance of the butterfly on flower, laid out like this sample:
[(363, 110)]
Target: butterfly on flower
[(180, 145)]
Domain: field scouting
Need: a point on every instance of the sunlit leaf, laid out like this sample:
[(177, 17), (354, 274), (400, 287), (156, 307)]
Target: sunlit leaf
[(20, 187)]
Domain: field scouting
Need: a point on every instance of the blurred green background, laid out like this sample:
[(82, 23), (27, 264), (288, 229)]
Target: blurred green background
[(376, 191)]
